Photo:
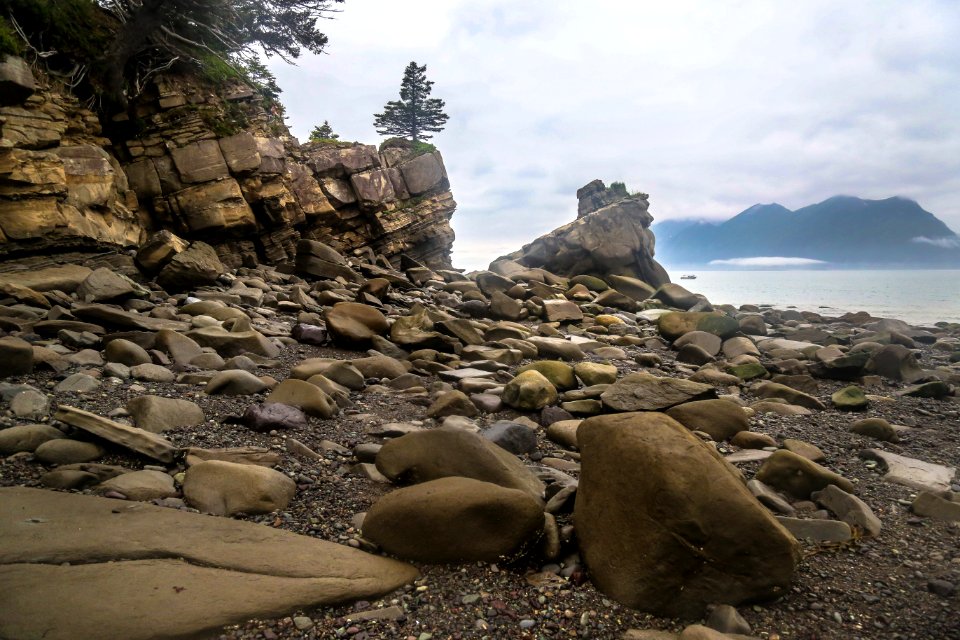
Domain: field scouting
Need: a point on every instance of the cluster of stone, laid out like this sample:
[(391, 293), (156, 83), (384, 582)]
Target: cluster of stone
[(648, 397)]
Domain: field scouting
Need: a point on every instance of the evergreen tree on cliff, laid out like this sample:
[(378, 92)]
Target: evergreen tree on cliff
[(153, 35), (323, 132), (415, 115)]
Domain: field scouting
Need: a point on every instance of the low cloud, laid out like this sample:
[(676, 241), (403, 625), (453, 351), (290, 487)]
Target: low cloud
[(767, 261), (944, 243)]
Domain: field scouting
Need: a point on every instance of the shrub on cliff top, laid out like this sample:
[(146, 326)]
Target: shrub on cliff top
[(8, 39), (414, 149)]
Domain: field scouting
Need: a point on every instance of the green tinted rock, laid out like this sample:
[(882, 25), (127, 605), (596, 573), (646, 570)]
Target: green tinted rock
[(850, 398)]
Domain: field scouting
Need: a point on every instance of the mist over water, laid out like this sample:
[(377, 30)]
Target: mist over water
[(915, 296)]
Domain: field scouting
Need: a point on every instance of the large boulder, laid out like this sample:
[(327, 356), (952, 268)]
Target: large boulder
[(721, 419), (195, 266), (529, 391), (16, 355), (677, 323), (225, 488), (896, 362), (355, 324), (16, 80), (148, 562), (323, 261), (666, 527), (798, 476), (610, 236), (157, 414), (454, 520), (427, 455)]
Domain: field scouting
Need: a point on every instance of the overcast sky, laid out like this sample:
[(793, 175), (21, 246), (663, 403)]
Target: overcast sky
[(708, 106)]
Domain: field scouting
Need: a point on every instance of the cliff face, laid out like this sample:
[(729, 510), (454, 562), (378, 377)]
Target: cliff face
[(208, 165), (611, 236)]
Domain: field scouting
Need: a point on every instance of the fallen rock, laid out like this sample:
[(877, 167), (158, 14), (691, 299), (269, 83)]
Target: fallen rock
[(439, 453), (876, 428), (157, 414), (529, 391), (355, 324), (26, 437), (225, 488), (817, 530), (910, 472), (664, 525), (16, 355), (850, 398), (139, 440), (234, 382), (798, 476), (310, 398), (141, 485), (849, 508), (105, 284), (65, 451), (644, 392), (267, 417), (211, 572), (933, 506), (195, 266), (454, 520), (720, 419), (775, 390)]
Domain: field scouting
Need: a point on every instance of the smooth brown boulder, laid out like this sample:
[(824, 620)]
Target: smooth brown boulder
[(26, 437), (355, 324), (798, 476), (427, 455), (454, 520), (158, 414), (16, 355), (666, 527), (721, 419), (195, 266), (774, 390), (303, 395), (142, 572), (225, 488)]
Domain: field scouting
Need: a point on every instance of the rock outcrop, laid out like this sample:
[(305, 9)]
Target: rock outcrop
[(210, 164), (611, 236)]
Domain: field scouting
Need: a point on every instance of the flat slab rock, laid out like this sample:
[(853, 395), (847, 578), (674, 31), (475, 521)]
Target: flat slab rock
[(162, 573), (910, 472)]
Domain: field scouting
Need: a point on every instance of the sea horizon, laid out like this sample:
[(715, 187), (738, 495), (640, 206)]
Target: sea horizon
[(916, 296)]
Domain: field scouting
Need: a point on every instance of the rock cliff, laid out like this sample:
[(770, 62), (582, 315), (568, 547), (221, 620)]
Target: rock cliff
[(611, 236), (206, 163)]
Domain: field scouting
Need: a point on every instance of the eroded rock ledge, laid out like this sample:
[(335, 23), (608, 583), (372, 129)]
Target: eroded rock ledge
[(611, 236), (211, 166)]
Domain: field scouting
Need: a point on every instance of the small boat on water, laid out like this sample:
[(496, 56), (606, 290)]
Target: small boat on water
[(688, 277)]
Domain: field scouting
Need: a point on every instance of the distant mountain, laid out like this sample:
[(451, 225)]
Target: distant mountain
[(842, 231)]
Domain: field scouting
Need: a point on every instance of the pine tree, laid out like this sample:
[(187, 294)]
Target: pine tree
[(415, 115), (323, 132)]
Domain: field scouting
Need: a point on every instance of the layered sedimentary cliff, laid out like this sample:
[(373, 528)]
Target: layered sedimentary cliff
[(211, 164), (611, 236)]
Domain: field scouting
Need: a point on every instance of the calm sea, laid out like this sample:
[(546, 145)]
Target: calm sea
[(917, 297)]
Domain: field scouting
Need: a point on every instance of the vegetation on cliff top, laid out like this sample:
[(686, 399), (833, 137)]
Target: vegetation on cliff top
[(115, 46), (415, 115)]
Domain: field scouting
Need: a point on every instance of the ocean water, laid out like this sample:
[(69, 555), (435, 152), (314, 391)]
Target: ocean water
[(915, 296)]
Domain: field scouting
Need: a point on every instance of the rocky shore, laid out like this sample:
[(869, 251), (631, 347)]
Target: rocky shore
[(357, 451)]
